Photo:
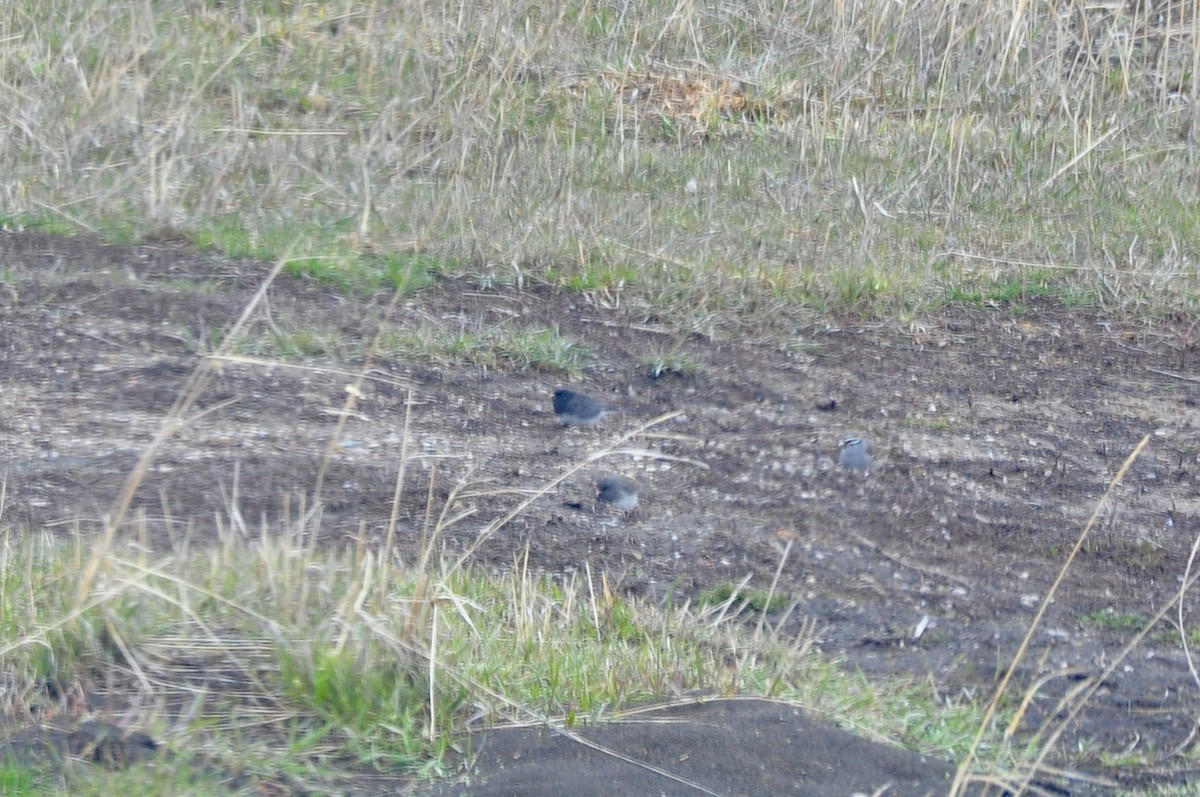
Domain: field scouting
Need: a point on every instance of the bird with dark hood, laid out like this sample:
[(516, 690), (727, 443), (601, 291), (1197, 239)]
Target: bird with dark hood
[(578, 409)]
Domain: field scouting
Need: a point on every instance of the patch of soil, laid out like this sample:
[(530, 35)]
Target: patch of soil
[(995, 435), (91, 741), (727, 746)]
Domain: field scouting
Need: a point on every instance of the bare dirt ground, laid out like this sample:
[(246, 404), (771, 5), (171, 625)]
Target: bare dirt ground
[(996, 434)]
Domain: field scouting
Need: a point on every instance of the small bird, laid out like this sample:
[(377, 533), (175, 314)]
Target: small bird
[(618, 491), (576, 409), (856, 454)]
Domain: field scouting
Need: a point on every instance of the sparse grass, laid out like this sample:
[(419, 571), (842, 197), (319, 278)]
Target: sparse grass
[(827, 156), (145, 780), (734, 599), (1129, 760), (498, 346), (673, 361), (294, 344), (1115, 621), (932, 424)]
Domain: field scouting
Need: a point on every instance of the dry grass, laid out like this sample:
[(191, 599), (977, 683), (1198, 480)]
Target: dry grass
[(715, 162), (717, 167)]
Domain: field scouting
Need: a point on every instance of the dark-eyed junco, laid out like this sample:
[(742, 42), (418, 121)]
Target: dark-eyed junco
[(856, 454), (618, 491), (576, 409)]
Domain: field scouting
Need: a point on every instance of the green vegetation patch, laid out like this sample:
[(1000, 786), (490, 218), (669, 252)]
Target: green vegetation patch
[(290, 659)]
